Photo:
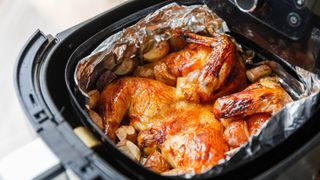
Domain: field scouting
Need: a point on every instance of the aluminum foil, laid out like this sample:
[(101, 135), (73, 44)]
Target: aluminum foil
[(127, 44), (100, 67)]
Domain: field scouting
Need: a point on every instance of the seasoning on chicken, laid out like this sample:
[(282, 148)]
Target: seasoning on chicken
[(142, 99), (265, 96), (256, 122), (244, 113), (187, 134), (236, 133), (206, 68)]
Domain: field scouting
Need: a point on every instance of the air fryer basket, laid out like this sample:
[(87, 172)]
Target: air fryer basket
[(259, 164), (44, 88)]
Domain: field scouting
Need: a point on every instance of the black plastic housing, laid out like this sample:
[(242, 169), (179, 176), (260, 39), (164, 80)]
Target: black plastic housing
[(44, 81)]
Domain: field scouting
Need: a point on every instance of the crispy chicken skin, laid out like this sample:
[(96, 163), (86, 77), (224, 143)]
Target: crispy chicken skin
[(202, 71), (265, 96), (244, 113), (187, 134), (255, 122), (140, 98), (236, 133), (189, 137)]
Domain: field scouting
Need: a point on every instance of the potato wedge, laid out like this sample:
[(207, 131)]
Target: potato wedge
[(104, 79), (177, 43), (143, 160), (158, 51), (125, 67), (126, 132), (146, 71), (93, 100), (96, 119), (130, 149), (258, 72)]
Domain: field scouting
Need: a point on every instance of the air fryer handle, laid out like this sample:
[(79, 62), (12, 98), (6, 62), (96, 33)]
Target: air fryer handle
[(30, 57)]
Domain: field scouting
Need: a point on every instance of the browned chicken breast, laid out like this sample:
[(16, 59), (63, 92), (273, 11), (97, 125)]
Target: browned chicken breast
[(206, 68)]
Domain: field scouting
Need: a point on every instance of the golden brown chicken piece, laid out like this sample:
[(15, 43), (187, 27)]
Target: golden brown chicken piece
[(244, 113), (265, 96), (255, 122), (189, 137), (142, 99), (236, 133), (239, 131), (187, 134), (207, 68)]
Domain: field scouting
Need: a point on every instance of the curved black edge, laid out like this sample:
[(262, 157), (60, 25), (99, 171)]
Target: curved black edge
[(23, 77), (58, 135)]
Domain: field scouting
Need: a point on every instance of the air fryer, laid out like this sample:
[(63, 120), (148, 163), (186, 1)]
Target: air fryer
[(44, 81)]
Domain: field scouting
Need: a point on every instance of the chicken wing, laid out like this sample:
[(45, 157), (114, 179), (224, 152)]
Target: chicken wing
[(244, 113), (265, 96), (202, 70)]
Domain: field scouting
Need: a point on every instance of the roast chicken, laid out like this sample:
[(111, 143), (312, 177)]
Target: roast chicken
[(189, 136), (206, 68), (177, 106)]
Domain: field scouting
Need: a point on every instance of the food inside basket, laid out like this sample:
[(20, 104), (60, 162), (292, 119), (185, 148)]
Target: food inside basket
[(177, 100)]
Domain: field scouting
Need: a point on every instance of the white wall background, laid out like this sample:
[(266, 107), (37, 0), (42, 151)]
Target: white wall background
[(18, 20)]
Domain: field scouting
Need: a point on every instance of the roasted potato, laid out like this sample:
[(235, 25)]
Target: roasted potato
[(125, 67), (93, 98), (145, 71), (258, 72), (177, 43), (157, 51), (126, 132), (96, 119), (130, 149)]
